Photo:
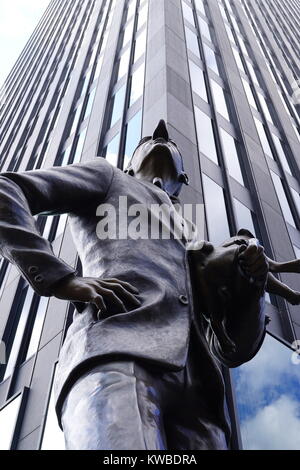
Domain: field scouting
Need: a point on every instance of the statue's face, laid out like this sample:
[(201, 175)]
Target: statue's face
[(157, 159)]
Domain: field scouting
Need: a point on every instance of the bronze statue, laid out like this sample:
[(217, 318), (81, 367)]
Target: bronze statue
[(140, 365)]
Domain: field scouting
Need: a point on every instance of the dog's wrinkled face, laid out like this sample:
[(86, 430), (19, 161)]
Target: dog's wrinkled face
[(218, 271)]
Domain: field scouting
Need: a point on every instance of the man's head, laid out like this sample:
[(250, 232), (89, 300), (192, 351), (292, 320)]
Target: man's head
[(157, 159)]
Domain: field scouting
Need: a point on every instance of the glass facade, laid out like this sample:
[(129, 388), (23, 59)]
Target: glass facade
[(222, 74)]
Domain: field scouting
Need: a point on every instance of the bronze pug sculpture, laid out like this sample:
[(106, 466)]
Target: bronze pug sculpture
[(145, 373), (218, 284)]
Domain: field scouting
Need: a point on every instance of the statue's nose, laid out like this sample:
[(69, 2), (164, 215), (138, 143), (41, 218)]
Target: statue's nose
[(161, 131)]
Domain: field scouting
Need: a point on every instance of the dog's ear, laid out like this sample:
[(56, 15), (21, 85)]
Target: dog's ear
[(246, 233)]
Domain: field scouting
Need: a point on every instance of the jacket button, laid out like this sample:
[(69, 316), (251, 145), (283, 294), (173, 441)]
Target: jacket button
[(183, 299), (38, 278), (33, 269)]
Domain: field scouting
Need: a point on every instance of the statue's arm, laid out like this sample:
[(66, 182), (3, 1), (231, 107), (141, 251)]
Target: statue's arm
[(51, 191)]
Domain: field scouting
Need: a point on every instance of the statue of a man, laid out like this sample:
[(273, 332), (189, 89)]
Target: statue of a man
[(140, 365)]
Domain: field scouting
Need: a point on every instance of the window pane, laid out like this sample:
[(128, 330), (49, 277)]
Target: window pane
[(18, 337), (79, 146), (223, 12), (8, 418), (98, 68), (243, 46), (244, 217), (66, 156), (112, 150), (283, 199), (118, 105), (140, 45), (53, 437), (205, 31), (238, 59), (128, 33), (86, 82), (252, 72), (76, 118), (231, 156), (297, 251), (230, 34), (142, 16), (200, 6), (206, 140), (217, 222), (133, 136), (296, 198), (268, 399), (137, 84), (281, 154), (188, 13), (197, 79), (47, 227), (192, 41), (249, 93), (5, 269), (265, 108), (37, 327), (210, 58), (90, 103), (219, 98), (131, 9), (124, 63), (263, 138), (61, 225)]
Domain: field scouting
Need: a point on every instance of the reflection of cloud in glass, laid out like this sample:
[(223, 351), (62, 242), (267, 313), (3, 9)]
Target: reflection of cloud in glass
[(275, 426), (137, 84), (133, 136), (112, 150), (53, 438), (268, 398)]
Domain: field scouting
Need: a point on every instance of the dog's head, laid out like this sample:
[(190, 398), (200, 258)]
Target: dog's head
[(216, 269)]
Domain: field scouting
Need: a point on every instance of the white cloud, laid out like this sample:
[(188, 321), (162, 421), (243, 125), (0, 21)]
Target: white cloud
[(17, 22), (274, 427), (271, 368)]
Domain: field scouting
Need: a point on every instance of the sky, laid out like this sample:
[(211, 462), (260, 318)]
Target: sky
[(268, 398), (18, 19)]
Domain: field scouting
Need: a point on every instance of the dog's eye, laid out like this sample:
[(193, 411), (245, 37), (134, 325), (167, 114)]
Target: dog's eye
[(241, 242)]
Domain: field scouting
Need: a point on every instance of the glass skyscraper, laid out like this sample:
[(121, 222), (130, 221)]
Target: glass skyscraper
[(93, 78)]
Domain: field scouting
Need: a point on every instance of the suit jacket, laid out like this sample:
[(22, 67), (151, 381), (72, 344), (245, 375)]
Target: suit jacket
[(159, 330)]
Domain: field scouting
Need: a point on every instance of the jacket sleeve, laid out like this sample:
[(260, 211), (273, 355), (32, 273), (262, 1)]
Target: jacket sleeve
[(246, 326), (52, 191)]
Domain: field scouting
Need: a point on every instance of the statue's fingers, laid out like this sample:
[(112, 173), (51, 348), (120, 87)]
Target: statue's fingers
[(125, 284), (113, 298), (99, 302), (122, 292)]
